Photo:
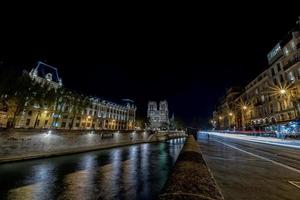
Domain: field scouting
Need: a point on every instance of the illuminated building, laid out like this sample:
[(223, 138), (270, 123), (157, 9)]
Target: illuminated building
[(158, 116), (272, 100), (95, 114), (44, 73)]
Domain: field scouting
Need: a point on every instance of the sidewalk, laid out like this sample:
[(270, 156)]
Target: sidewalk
[(265, 140)]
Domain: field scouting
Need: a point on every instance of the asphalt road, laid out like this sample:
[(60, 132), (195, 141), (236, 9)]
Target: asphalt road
[(249, 170)]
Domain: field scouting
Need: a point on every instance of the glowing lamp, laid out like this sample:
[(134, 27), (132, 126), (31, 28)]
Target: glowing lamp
[(282, 91)]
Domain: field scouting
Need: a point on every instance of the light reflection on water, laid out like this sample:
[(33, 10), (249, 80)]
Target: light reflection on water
[(133, 172)]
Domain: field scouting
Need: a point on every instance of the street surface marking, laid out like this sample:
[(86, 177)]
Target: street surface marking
[(232, 159), (295, 183), (261, 157)]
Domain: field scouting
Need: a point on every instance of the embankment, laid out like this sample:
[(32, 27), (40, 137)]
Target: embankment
[(22, 145), (190, 178)]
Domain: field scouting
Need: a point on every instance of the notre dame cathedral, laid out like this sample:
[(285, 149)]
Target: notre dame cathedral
[(158, 117)]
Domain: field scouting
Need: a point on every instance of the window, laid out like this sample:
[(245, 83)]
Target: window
[(281, 78), (83, 124), (46, 122), (282, 106), (262, 98), (27, 122), (38, 122), (272, 71), (278, 67), (275, 81), (78, 118), (291, 76), (63, 124), (30, 113), (286, 51), (88, 124), (293, 45), (77, 125), (91, 112)]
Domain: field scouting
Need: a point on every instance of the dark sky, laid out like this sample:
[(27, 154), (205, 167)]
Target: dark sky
[(188, 56)]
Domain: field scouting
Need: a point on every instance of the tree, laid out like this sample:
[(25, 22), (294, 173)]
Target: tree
[(61, 101), (78, 104), (17, 92), (44, 99), (180, 124)]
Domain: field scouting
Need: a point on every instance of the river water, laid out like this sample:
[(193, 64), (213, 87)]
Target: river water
[(131, 172)]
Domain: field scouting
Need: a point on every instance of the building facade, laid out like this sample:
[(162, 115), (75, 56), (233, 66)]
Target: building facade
[(65, 113), (158, 116), (272, 100)]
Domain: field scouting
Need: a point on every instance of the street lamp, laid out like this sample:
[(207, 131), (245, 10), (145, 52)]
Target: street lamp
[(230, 114), (245, 107)]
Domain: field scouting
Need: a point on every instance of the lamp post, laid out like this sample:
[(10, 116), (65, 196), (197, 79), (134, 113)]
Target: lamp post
[(243, 112), (230, 118), (220, 122)]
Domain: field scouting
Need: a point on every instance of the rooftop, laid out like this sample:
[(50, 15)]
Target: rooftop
[(47, 71)]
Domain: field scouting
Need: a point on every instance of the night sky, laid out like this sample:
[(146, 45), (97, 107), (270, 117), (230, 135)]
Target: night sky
[(186, 57)]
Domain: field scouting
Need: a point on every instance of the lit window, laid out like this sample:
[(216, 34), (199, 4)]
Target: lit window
[(286, 51), (293, 45), (291, 76)]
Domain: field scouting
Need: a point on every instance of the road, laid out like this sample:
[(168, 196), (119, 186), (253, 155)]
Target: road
[(250, 170)]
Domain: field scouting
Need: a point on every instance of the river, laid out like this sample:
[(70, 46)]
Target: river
[(131, 172)]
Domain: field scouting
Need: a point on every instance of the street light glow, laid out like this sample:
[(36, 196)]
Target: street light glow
[(230, 114), (245, 107), (282, 91)]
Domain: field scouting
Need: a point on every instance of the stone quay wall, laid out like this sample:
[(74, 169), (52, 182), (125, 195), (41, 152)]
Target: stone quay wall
[(27, 144), (190, 178)]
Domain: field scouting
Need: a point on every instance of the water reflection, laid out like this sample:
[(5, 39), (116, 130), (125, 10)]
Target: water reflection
[(133, 172), (39, 178)]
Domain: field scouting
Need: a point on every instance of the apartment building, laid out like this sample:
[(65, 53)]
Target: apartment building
[(272, 100)]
